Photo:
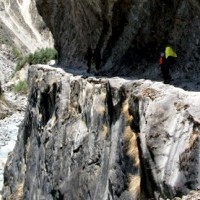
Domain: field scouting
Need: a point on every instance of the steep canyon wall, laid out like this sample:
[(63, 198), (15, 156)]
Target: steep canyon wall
[(126, 32), (89, 138)]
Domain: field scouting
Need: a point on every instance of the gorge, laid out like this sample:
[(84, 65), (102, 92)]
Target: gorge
[(122, 134)]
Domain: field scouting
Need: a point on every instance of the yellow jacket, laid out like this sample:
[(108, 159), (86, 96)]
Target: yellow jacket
[(169, 52)]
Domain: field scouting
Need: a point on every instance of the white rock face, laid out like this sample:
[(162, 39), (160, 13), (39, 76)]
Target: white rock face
[(169, 135), (7, 65), (24, 25), (107, 138)]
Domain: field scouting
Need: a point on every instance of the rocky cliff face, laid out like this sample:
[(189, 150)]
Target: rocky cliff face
[(128, 33), (22, 31), (89, 138), (22, 27)]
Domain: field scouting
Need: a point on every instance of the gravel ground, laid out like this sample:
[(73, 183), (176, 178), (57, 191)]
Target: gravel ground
[(9, 129), (17, 103), (8, 136)]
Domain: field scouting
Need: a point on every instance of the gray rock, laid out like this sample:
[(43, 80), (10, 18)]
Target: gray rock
[(104, 139), (128, 34)]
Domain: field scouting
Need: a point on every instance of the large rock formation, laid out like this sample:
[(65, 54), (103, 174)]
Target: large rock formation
[(89, 138), (128, 33), (22, 27)]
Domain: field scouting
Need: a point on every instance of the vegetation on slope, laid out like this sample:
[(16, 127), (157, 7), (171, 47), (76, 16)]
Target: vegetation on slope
[(42, 56)]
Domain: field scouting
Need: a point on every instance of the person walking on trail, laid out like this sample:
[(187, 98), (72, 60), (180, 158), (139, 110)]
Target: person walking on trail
[(164, 67), (89, 56), (166, 60)]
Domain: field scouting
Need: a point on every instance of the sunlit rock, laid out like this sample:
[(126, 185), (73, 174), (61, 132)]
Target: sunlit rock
[(89, 138)]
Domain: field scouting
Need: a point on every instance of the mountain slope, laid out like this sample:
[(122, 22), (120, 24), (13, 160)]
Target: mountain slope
[(22, 25)]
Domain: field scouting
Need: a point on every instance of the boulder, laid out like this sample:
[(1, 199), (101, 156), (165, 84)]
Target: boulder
[(98, 138)]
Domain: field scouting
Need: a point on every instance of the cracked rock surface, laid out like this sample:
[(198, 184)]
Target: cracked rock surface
[(104, 138)]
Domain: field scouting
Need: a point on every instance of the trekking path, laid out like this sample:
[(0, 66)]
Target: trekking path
[(9, 129)]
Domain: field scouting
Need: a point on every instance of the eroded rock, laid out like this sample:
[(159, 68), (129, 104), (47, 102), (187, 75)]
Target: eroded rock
[(89, 138)]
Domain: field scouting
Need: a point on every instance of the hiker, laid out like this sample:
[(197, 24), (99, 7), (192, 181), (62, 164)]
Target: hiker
[(89, 57), (166, 60), (164, 68)]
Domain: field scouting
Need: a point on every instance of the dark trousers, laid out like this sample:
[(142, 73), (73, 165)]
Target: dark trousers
[(165, 73)]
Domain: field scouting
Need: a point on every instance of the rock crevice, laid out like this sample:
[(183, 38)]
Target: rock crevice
[(104, 139)]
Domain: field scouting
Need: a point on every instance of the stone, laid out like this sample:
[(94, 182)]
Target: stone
[(128, 34), (22, 28), (104, 138)]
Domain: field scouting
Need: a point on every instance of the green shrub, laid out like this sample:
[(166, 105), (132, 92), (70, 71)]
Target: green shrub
[(21, 87), (43, 56)]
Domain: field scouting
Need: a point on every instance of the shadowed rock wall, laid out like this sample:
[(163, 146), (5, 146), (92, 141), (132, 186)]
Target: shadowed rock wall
[(104, 139), (126, 32)]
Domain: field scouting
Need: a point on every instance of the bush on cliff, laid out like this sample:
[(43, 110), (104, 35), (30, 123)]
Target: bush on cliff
[(42, 56)]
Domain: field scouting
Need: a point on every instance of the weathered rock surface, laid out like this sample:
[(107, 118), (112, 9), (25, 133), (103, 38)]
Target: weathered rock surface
[(12, 108), (22, 27), (193, 195), (7, 66), (89, 138), (128, 33), (22, 31)]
